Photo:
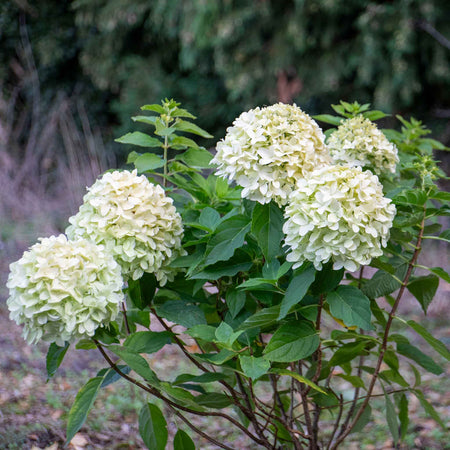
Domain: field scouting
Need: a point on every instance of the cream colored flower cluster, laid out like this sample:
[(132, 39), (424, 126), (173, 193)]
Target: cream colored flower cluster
[(268, 149), (134, 220), (337, 213), (64, 290), (358, 142)]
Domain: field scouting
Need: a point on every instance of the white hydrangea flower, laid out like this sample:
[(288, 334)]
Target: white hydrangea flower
[(338, 213), (268, 149), (358, 142), (135, 221), (64, 290)]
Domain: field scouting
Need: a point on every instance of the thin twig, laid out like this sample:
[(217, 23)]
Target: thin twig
[(125, 318), (336, 424)]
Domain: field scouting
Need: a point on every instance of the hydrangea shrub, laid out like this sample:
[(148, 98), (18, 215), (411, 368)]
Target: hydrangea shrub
[(253, 263)]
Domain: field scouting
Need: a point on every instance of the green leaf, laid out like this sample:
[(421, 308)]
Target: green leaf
[(140, 139), (383, 283), (264, 318), (363, 420), (223, 269), (81, 406), (153, 427), (271, 269), (420, 358), (254, 367), (429, 409), (327, 279), (328, 118), (155, 108), (195, 157), (148, 162), (391, 419), (210, 218), (182, 142), (235, 301), (189, 127), (267, 226), (347, 353), (424, 289), (435, 343), (299, 378), (297, 290), (182, 441), (205, 332), (208, 377), (181, 313), (403, 415), (350, 305), (180, 112), (374, 115), (136, 362), (55, 356), (214, 400), (142, 291), (224, 334), (149, 120), (440, 272), (258, 284), (291, 342), (355, 381), (230, 236), (111, 376), (147, 341)]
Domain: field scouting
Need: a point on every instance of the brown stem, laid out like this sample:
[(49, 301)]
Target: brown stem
[(156, 393), (198, 431), (312, 442), (336, 425), (383, 347)]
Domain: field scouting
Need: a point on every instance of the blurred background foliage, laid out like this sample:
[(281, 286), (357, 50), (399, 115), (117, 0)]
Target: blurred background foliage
[(221, 57)]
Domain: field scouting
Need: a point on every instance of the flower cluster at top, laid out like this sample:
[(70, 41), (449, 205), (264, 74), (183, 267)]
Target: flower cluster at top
[(335, 210), (358, 142), (338, 213), (268, 149), (64, 290), (135, 221)]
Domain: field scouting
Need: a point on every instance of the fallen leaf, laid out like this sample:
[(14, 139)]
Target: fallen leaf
[(79, 440)]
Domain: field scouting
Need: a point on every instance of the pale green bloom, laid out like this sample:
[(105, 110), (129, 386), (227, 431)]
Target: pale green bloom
[(358, 142), (135, 221), (338, 213), (268, 149), (64, 290)]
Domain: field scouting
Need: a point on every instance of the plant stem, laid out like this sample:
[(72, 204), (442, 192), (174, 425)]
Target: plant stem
[(344, 433), (125, 318)]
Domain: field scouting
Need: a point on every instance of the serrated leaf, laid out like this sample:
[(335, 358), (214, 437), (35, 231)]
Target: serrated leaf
[(296, 290), (81, 406), (424, 289), (155, 108), (254, 367), (328, 118), (435, 343), (213, 400), (139, 139), (299, 378), (153, 427), (189, 127), (205, 332), (230, 235), (55, 356), (111, 376), (182, 313), (383, 283), (419, 357), (391, 419), (208, 377), (223, 269), (429, 409), (136, 362), (403, 415), (235, 301), (195, 157), (226, 335), (291, 342), (261, 319), (210, 218), (350, 305), (149, 120), (148, 162), (183, 142), (267, 226), (374, 115), (142, 291), (440, 272), (182, 441), (147, 341)]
